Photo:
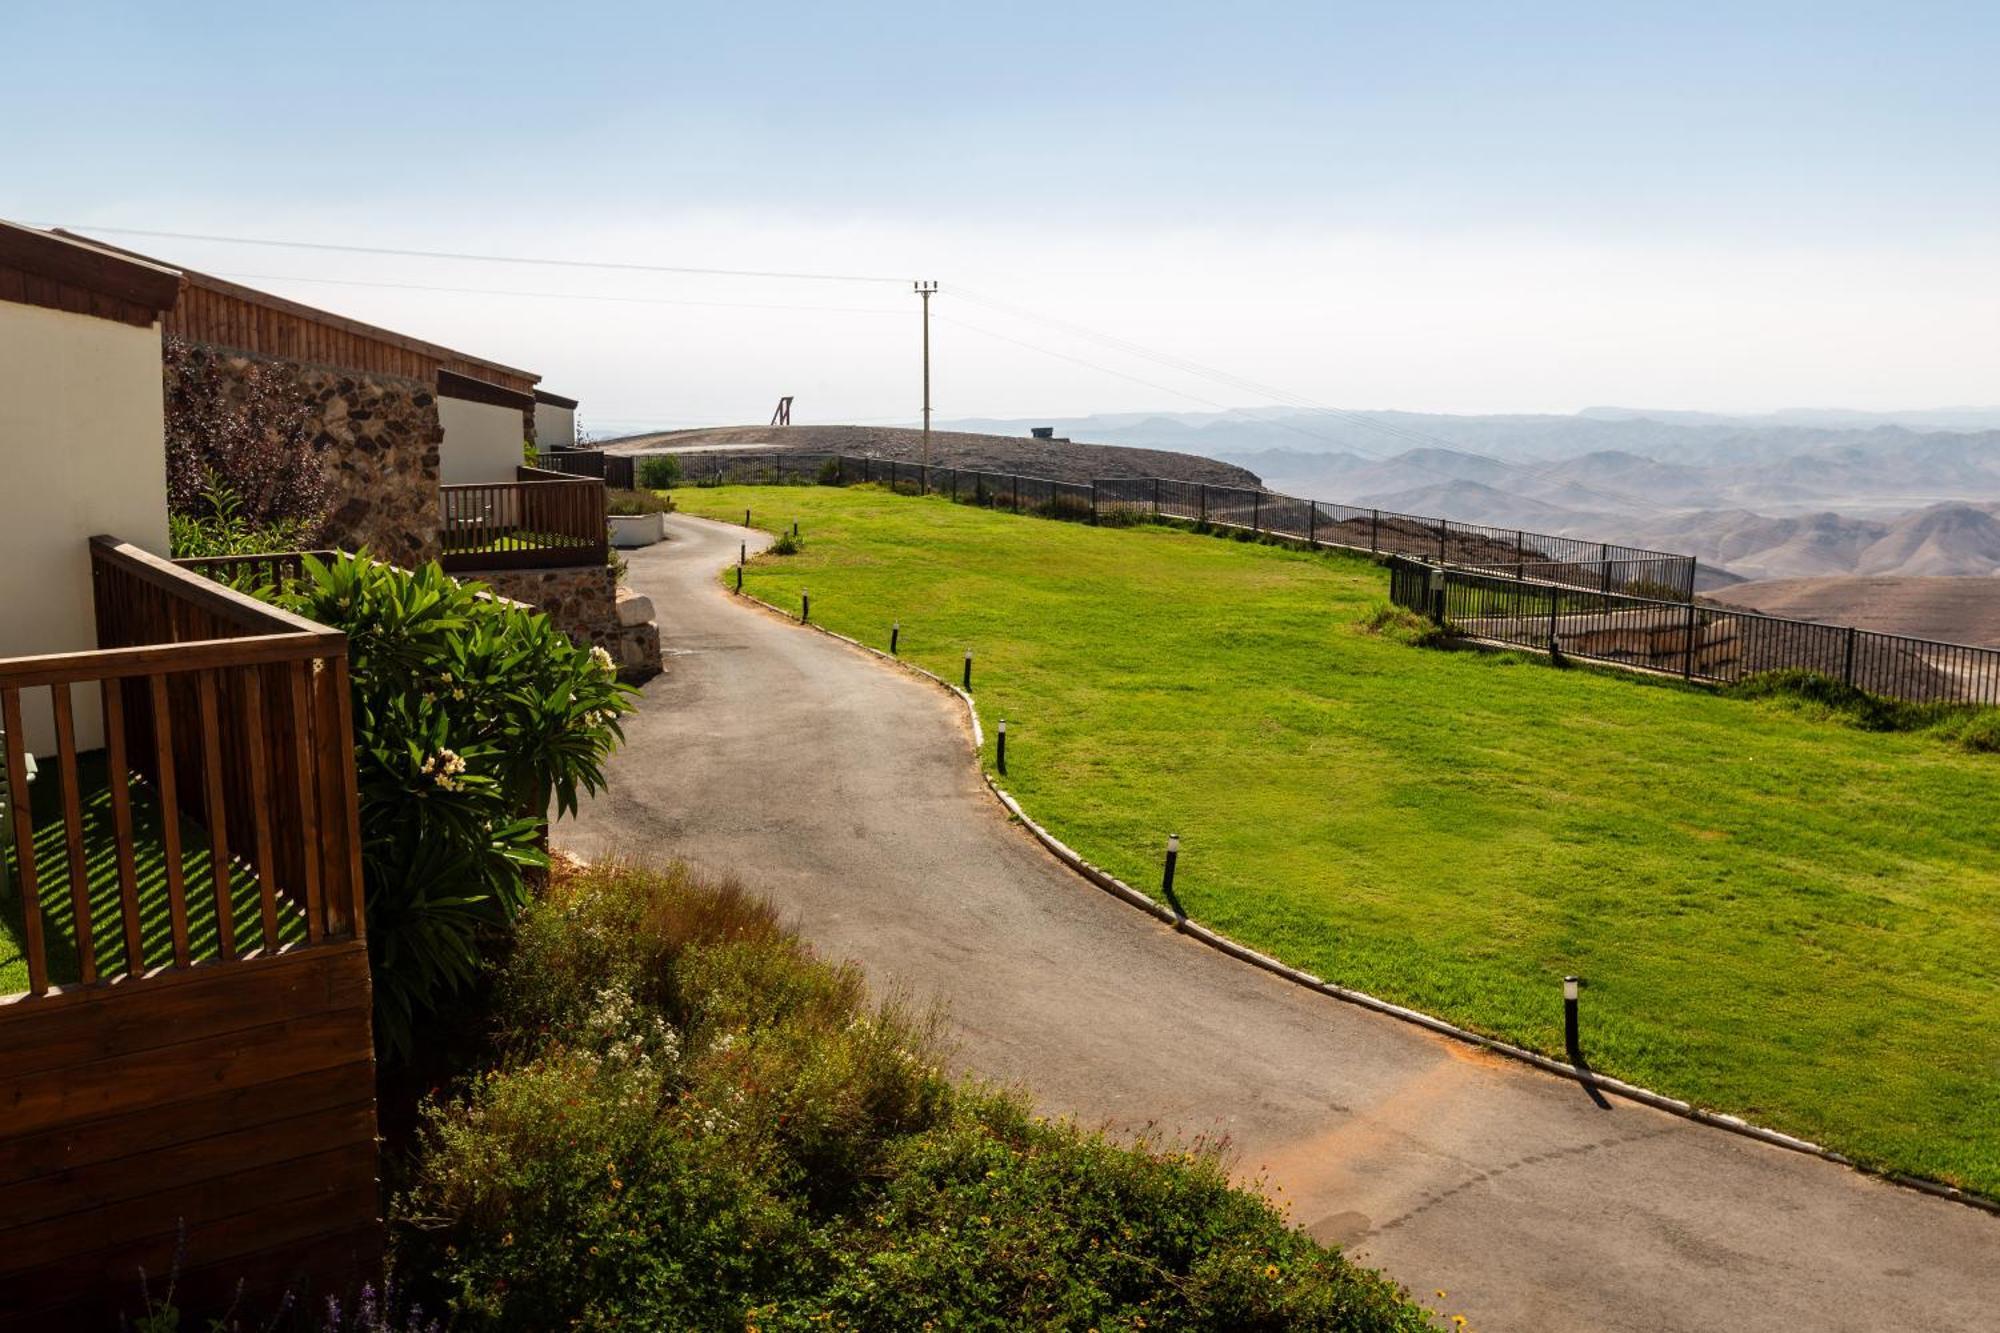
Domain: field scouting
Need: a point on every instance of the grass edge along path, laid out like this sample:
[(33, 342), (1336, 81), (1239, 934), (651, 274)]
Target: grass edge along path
[(1776, 917)]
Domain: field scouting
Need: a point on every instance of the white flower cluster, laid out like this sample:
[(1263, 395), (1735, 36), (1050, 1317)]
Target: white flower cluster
[(603, 660), (443, 769), (632, 1039)]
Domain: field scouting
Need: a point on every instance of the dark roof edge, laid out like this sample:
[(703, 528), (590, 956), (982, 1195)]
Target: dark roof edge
[(85, 264), (451, 384), (553, 399)]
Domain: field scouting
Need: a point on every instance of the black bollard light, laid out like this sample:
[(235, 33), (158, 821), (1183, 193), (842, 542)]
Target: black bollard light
[(739, 578), (795, 527), (968, 671), (895, 633), (746, 518), (1571, 1040), (1167, 876), (742, 552), (1000, 756), (805, 605)]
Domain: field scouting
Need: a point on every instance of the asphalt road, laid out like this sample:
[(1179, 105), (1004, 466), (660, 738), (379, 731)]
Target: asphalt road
[(844, 789)]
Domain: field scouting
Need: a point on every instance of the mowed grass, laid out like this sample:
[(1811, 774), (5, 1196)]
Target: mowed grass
[(1780, 917)]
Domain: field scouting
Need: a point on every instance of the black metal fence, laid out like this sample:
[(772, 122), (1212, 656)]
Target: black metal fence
[(1690, 639), (1520, 554)]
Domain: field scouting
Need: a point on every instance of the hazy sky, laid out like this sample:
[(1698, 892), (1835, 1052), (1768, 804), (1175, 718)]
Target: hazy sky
[(1447, 207)]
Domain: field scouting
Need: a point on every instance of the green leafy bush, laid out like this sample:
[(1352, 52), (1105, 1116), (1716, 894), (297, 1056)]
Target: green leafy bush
[(698, 1124), (659, 472), (472, 716), (1402, 625), (1817, 694), (216, 523), (637, 502), (787, 542)]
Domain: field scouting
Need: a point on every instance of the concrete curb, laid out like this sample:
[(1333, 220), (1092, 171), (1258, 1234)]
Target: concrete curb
[(1223, 944)]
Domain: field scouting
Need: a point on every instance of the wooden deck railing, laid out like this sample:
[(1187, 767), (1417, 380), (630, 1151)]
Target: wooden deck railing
[(228, 711), (540, 520), (274, 569), (614, 470)]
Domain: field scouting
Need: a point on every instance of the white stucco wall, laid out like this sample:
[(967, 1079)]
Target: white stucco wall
[(482, 443), (83, 447), (555, 426)]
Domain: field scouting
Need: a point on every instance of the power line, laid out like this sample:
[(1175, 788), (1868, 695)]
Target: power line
[(554, 296), (1077, 360), (489, 259)]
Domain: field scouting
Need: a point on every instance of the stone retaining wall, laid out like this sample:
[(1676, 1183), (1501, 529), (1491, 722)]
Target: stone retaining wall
[(378, 436), (587, 604)]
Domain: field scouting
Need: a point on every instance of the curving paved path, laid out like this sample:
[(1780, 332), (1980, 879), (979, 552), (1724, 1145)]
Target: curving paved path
[(843, 789)]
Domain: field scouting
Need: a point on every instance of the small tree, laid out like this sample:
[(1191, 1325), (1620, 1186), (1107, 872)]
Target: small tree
[(246, 429)]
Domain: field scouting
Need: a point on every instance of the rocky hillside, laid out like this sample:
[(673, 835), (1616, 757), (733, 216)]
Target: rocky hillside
[(990, 453), (1957, 610)]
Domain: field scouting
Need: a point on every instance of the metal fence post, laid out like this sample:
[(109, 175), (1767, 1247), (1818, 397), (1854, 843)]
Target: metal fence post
[(1604, 557), (1312, 523), (1017, 492), (1444, 528), (1375, 532), (1093, 500), (1204, 502), (1156, 497), (1847, 672), (1687, 658), (1256, 510)]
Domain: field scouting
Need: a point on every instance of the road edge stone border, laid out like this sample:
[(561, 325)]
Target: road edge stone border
[(1118, 888)]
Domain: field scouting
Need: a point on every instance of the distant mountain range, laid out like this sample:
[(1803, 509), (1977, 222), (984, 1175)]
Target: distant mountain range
[(1789, 494)]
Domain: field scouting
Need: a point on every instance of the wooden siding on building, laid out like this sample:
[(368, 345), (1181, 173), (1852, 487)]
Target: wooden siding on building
[(227, 1111), (225, 315)]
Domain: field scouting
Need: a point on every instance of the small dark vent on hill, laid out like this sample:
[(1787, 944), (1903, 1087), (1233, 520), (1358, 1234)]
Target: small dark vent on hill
[(1047, 433)]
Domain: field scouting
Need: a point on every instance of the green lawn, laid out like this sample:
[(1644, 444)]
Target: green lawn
[(150, 873), (1776, 916)]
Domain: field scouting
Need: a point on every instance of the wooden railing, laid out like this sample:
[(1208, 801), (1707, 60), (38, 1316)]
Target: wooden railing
[(614, 470), (271, 570), (540, 520), (215, 707)]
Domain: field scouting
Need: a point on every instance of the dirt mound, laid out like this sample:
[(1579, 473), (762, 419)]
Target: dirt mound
[(1956, 610), (1057, 459)]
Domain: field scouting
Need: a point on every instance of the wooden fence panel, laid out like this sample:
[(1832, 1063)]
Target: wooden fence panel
[(234, 1103)]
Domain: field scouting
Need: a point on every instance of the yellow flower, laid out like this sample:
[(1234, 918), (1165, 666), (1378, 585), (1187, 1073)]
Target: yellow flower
[(1459, 1320), (507, 1239), (1270, 1270)]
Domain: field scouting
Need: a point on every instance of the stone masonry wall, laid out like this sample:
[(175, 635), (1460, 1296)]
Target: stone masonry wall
[(587, 604), (378, 436)]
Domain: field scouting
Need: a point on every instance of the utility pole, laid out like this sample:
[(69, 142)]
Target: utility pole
[(924, 289)]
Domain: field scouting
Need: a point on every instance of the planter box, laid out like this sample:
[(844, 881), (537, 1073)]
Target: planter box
[(630, 530)]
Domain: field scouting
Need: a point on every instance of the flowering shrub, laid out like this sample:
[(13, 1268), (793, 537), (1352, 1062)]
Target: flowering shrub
[(697, 1124), (473, 718)]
